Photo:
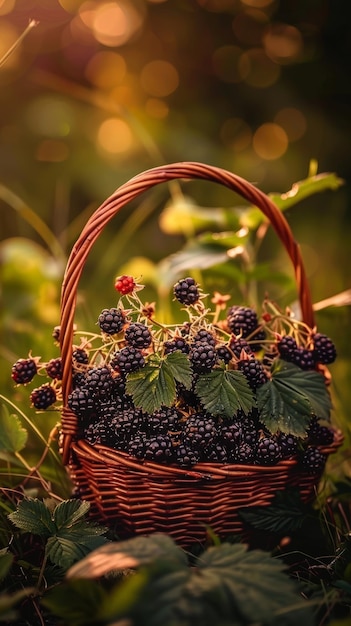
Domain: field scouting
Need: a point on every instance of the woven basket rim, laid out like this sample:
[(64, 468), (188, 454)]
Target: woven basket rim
[(127, 192)]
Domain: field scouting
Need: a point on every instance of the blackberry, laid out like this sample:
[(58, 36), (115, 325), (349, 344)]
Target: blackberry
[(54, 368), (78, 380), (288, 445), (80, 357), (313, 460), (303, 358), (81, 402), (199, 431), (136, 446), (268, 451), (287, 347), (164, 420), (256, 340), (129, 359), (244, 454), (230, 433), (125, 425), (324, 349), (158, 448), (216, 453), (241, 320), (319, 435), (184, 456), (186, 291), (138, 335), (99, 380), (224, 354), (237, 345), (250, 432), (24, 370), (111, 321), (203, 357), (42, 397), (97, 432), (178, 343), (205, 336), (253, 372)]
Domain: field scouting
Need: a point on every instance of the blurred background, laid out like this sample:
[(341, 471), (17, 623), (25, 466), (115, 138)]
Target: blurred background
[(95, 91)]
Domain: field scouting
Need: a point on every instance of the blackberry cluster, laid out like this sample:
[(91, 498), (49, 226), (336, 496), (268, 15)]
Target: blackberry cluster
[(190, 429)]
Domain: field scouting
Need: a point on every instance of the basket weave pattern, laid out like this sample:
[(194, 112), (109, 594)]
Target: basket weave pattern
[(144, 497)]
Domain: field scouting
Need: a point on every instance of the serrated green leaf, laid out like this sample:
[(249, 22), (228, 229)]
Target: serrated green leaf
[(152, 387), (224, 392), (180, 367), (69, 512), (291, 397), (249, 584), (32, 516), (286, 513), (13, 437), (65, 548)]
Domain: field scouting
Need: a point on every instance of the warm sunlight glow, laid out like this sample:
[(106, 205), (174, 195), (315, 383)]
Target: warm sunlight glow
[(115, 136), (115, 22), (283, 43), (6, 6), (257, 69), (106, 69), (159, 78), (293, 121), (270, 141), (156, 108)]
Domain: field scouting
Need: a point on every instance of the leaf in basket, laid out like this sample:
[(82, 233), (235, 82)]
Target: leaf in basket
[(13, 437), (291, 397), (247, 584), (155, 384), (224, 392)]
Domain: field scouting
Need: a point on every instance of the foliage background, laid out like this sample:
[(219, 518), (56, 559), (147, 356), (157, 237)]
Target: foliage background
[(99, 91)]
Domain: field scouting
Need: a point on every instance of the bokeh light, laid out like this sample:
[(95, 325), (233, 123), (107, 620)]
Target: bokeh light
[(159, 78), (106, 69), (156, 108), (115, 136), (248, 26), (50, 116), (283, 43), (225, 63), (270, 141), (6, 6), (113, 23), (293, 121), (257, 69)]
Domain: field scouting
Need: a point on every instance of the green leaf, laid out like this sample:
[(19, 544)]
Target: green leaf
[(155, 384), (32, 516), (180, 367), (69, 512), (286, 514), (249, 584), (138, 550), (6, 560), (224, 392), (67, 547), (291, 397), (13, 437), (77, 602)]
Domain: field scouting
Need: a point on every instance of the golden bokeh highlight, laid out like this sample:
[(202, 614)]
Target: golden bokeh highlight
[(6, 6), (257, 69), (270, 141), (112, 23), (159, 78), (115, 136), (106, 69), (225, 63), (236, 134), (156, 108), (293, 121), (283, 43)]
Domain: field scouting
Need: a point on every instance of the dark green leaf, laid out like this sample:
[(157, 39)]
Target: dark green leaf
[(179, 365), (13, 437), (69, 512), (32, 516), (154, 385), (224, 392), (77, 602), (286, 514), (6, 560), (66, 548), (250, 584), (289, 399)]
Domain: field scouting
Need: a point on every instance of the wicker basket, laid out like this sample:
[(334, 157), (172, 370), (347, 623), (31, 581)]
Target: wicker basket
[(143, 497)]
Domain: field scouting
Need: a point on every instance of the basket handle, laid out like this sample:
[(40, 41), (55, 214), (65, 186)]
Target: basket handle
[(108, 209)]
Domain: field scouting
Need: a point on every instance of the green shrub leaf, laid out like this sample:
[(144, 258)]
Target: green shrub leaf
[(179, 365), (291, 397), (13, 437), (224, 392), (67, 547), (286, 514), (69, 512), (6, 560), (32, 516)]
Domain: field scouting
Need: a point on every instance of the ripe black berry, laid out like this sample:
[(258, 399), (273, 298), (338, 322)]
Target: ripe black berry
[(288, 445), (253, 372), (224, 354), (324, 349), (97, 433), (242, 320), (54, 368), (303, 358), (99, 380), (203, 357), (319, 435), (158, 448), (199, 431), (244, 454), (178, 343), (111, 321), (216, 453), (80, 357), (268, 451), (287, 347), (42, 397), (138, 335), (81, 402), (185, 456), (186, 291), (237, 345), (129, 359), (313, 460), (23, 371), (204, 336)]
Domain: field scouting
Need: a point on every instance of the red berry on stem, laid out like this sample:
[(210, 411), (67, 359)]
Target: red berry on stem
[(125, 284)]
